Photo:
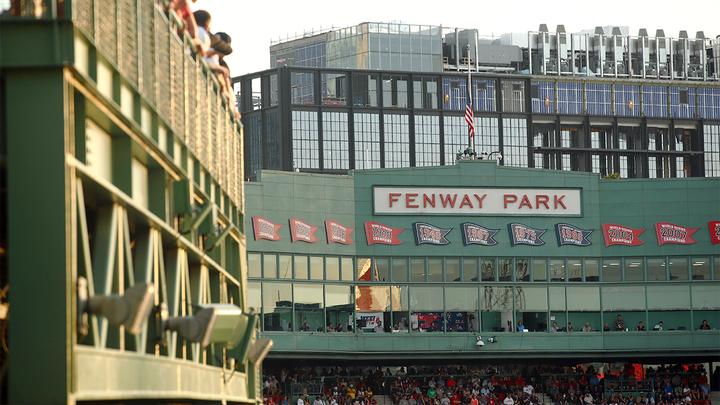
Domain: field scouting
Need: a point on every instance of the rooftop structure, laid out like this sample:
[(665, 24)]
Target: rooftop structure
[(604, 51)]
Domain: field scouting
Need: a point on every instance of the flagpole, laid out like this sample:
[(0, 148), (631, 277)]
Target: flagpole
[(469, 84)]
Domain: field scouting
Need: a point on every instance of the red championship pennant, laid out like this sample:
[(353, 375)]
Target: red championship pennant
[(621, 235), (714, 231), (671, 233), (265, 229), (338, 233), (376, 232), (300, 230)]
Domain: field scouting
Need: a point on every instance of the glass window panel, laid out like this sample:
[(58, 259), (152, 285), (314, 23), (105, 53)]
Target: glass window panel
[(332, 268), (488, 269), (557, 298), (382, 270), (309, 305), (452, 269), (557, 270), (363, 269), (505, 269), (461, 305), (301, 267), (716, 268), (400, 298), (634, 270), (497, 298), (678, 267), (611, 270), (254, 295), (277, 304), (656, 269), (574, 270), (372, 298), (623, 298), (400, 269), (583, 299), (663, 297), (470, 270), (347, 268), (522, 270), (540, 269), (254, 266), (339, 306), (308, 295), (417, 269), (531, 299), (316, 267), (706, 297), (700, 268), (592, 270), (270, 266), (426, 298), (435, 272), (461, 299), (285, 266)]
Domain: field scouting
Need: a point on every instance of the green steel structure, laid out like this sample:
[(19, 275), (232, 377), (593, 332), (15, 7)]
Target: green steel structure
[(122, 166), (475, 291)]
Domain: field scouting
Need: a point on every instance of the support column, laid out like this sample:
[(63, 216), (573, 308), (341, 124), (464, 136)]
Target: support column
[(41, 265)]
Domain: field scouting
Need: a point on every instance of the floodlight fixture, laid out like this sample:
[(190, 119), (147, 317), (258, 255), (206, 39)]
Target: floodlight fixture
[(259, 350), (131, 309), (213, 323)]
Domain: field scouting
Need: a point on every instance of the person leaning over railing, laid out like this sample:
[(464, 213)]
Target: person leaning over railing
[(183, 10)]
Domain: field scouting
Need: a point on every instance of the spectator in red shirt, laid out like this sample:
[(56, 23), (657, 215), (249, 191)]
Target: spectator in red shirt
[(183, 10)]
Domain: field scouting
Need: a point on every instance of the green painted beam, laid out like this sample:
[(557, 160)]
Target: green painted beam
[(52, 43), (39, 248), (509, 345)]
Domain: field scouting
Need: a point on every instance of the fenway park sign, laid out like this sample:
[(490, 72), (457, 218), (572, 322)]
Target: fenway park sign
[(477, 201)]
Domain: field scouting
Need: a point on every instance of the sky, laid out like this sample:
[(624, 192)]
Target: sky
[(252, 24)]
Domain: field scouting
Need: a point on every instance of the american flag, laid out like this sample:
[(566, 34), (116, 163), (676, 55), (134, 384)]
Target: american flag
[(469, 117)]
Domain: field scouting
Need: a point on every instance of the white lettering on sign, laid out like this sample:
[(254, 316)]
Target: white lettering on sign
[(477, 201)]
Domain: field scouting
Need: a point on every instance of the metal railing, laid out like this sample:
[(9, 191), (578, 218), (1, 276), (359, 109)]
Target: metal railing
[(140, 40)]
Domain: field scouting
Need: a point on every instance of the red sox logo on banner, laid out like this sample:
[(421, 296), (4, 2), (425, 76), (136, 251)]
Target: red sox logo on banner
[(265, 229), (338, 233), (714, 231), (376, 232), (621, 235), (671, 233), (302, 231)]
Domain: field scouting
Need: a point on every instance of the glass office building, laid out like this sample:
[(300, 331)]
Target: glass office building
[(387, 95), (334, 120)]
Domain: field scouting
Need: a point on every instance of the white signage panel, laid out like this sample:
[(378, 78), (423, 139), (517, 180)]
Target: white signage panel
[(390, 200)]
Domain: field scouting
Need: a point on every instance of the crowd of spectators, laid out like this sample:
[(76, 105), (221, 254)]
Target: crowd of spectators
[(666, 385), (618, 326), (213, 48)]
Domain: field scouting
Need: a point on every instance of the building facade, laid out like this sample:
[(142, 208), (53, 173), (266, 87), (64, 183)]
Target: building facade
[(386, 264), (385, 95), (333, 120), (122, 213)]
